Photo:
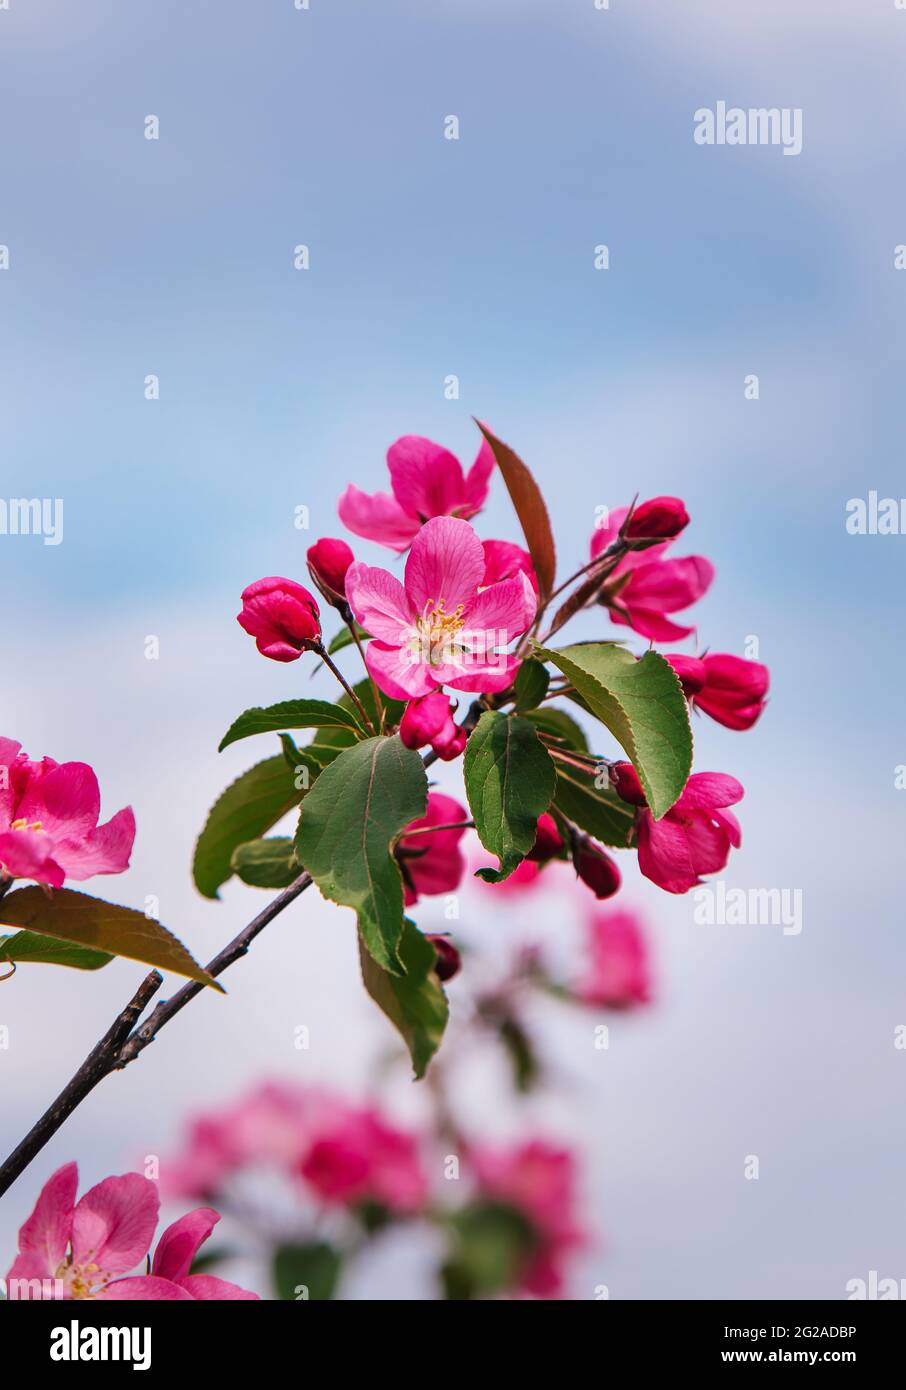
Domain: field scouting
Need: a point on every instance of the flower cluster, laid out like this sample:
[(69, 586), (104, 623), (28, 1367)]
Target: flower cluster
[(465, 616)]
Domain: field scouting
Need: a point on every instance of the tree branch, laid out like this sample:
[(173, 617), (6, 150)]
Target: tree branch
[(123, 1041)]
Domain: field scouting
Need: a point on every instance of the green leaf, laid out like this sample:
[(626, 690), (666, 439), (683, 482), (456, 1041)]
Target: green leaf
[(349, 821), (44, 950), (510, 781), (597, 810), (530, 509), (561, 726), (291, 714), (102, 926), (266, 863), (415, 1003), (328, 743), (344, 638), (493, 1242), (245, 811), (306, 1272), (532, 681), (643, 706)]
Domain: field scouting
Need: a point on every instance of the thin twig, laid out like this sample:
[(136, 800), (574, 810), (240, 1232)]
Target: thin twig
[(332, 666)]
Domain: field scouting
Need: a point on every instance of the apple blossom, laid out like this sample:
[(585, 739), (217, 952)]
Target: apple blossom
[(77, 1250), (643, 588), (694, 837), (49, 815), (441, 628)]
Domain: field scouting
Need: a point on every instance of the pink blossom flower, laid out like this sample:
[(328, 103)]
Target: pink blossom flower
[(644, 587), (504, 560), (282, 616), (539, 1180), (362, 1158), (695, 835), (442, 628), (345, 1153), (617, 971), (427, 481), (433, 863), (270, 1127), (328, 561), (49, 821), (79, 1248), (729, 688)]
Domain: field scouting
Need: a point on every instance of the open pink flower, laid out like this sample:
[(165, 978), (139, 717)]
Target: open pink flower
[(362, 1158), (694, 837), (616, 974), (729, 688), (49, 821), (538, 1179), (433, 862), (75, 1250), (644, 587), (442, 628), (427, 481)]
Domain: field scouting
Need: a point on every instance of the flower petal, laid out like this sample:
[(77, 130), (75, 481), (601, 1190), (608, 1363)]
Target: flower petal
[(113, 1224), (67, 801), (426, 479), (30, 854), (706, 790), (664, 854), (103, 851), (667, 585), (445, 565), (378, 517), (47, 1231), (180, 1243), (501, 612), (396, 673), (379, 602), (208, 1286)]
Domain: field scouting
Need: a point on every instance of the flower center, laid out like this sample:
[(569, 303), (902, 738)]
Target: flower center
[(22, 824), (436, 629), (83, 1281)]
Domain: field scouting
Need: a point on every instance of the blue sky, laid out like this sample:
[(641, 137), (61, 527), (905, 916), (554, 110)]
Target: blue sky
[(475, 257)]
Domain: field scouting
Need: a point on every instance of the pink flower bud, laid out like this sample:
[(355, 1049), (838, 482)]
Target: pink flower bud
[(282, 617), (448, 749), (425, 719), (548, 841), (626, 780), (449, 961), (691, 671), (661, 517), (596, 869), (328, 561)]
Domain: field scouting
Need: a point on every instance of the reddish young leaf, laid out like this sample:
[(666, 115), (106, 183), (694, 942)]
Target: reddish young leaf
[(530, 509)]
